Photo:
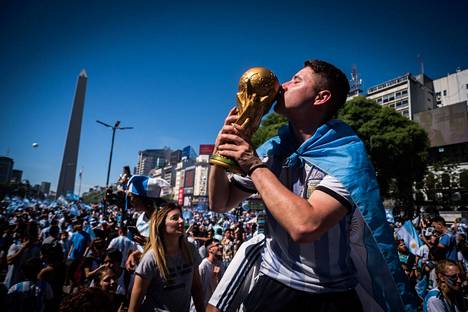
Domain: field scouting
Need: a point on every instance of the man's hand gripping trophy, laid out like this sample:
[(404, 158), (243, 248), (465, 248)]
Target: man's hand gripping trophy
[(257, 90)]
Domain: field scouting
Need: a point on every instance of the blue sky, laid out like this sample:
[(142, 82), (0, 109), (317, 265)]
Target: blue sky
[(170, 70)]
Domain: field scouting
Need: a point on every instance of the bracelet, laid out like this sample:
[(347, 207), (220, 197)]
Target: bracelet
[(256, 166)]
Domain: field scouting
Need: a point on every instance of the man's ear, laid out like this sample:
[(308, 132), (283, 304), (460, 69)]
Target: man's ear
[(322, 97)]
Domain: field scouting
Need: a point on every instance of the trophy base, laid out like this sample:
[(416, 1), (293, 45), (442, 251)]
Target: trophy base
[(227, 163)]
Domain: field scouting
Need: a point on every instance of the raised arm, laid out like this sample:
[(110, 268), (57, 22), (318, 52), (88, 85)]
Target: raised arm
[(222, 194), (304, 219)]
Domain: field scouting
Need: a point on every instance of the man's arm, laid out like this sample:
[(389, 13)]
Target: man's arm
[(444, 242), (222, 195), (197, 292), (304, 219)]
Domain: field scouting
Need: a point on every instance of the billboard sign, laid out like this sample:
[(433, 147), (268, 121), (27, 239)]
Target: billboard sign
[(445, 125), (206, 149)]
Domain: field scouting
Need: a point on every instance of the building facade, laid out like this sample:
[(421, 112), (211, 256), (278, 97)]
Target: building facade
[(407, 94), (45, 187), (16, 176), (152, 158), (451, 89), (6, 169), (200, 187)]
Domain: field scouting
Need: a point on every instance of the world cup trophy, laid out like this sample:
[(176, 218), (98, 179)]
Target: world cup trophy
[(257, 90)]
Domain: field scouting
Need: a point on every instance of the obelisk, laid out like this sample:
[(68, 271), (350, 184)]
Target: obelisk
[(67, 177)]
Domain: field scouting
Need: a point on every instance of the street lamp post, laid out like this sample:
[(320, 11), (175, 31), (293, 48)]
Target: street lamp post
[(115, 127)]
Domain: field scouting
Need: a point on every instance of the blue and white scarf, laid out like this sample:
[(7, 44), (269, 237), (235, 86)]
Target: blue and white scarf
[(337, 150)]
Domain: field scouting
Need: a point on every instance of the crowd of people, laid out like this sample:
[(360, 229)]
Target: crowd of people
[(435, 261), (63, 256), (55, 260), (322, 241)]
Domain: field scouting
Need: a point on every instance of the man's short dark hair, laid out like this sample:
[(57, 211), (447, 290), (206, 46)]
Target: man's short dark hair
[(440, 220), (211, 241), (54, 230), (114, 254), (334, 80)]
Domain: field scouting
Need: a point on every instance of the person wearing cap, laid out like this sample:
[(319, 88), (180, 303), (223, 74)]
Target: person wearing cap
[(144, 195)]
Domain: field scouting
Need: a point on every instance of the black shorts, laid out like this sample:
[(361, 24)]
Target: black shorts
[(272, 296)]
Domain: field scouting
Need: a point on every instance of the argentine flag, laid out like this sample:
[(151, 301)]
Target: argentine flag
[(410, 236)]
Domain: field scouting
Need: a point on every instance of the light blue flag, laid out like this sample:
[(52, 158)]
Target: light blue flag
[(410, 236), (337, 150)]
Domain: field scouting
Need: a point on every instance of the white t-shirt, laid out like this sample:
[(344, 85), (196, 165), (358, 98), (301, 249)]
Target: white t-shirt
[(423, 252), (124, 245), (208, 279), (173, 294), (142, 224)]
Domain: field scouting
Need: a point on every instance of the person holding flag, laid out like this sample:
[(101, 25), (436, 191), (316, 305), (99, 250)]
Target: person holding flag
[(407, 232)]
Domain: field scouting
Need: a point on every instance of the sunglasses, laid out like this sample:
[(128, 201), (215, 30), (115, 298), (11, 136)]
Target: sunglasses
[(454, 277)]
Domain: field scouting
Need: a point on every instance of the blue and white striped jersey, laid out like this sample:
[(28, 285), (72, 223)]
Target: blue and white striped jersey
[(320, 266)]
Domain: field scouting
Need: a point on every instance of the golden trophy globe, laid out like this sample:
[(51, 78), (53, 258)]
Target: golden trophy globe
[(257, 90)]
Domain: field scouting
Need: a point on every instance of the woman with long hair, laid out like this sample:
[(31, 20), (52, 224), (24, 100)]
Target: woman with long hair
[(167, 275), (447, 296)]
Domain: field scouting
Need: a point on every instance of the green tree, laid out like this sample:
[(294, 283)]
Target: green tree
[(93, 197), (397, 146), (268, 128)]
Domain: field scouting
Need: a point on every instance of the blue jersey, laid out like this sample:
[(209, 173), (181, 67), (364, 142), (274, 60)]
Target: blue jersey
[(448, 240), (80, 241)]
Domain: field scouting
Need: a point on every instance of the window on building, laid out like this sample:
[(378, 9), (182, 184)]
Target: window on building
[(445, 92), (466, 86), (404, 92)]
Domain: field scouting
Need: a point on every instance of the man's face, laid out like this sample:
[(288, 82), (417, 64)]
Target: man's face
[(438, 227), (136, 202), (216, 249), (109, 263), (299, 91), (402, 247)]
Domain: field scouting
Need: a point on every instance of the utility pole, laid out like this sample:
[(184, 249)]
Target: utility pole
[(115, 127)]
